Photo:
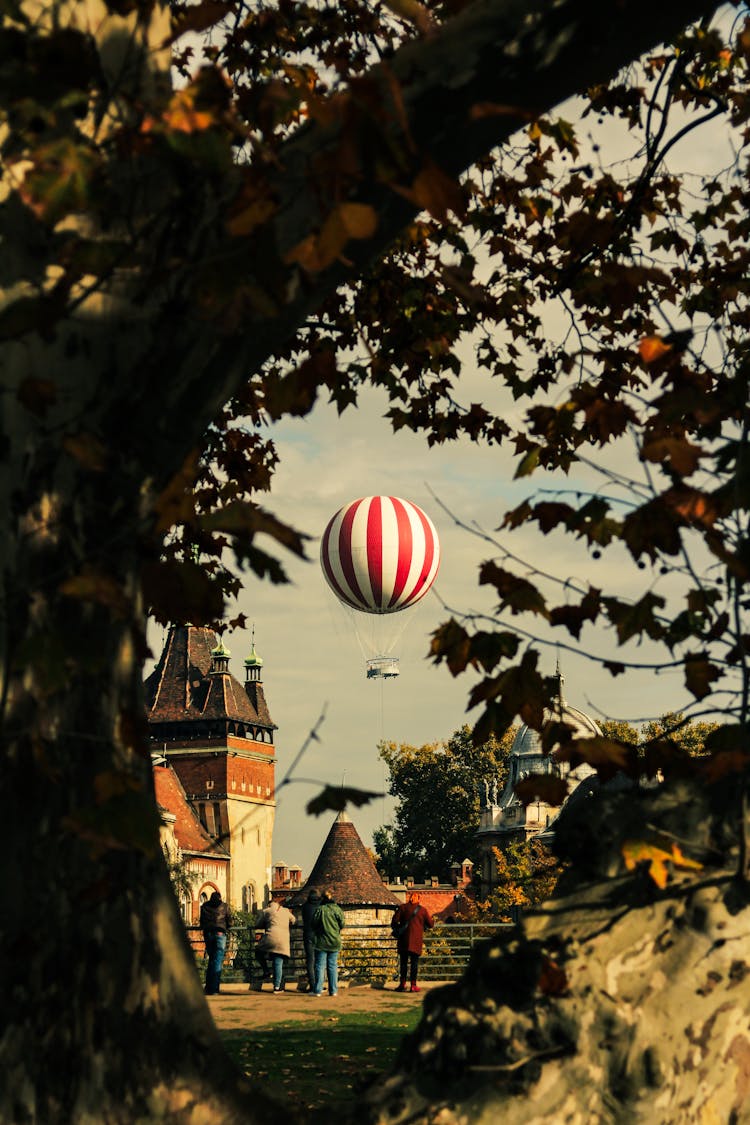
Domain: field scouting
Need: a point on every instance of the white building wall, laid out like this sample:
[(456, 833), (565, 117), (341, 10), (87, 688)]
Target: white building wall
[(250, 843)]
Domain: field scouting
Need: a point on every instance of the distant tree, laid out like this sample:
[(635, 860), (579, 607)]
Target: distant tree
[(620, 730), (527, 874), (180, 876), (385, 853), (437, 789), (689, 734)]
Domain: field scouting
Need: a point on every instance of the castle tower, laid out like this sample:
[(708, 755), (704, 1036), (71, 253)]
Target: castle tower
[(218, 736), (345, 865)]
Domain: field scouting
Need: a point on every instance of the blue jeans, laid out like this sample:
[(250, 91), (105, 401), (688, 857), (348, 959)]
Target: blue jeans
[(327, 961), (310, 963), (216, 945), (277, 961)]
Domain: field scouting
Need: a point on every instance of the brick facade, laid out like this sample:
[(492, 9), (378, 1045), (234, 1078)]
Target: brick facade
[(218, 736)]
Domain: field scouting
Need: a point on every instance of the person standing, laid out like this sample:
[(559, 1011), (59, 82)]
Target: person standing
[(328, 922), (408, 925), (308, 912), (276, 922), (215, 922)]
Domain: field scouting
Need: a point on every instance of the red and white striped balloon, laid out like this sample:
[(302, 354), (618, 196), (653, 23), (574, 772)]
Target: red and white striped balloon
[(380, 554)]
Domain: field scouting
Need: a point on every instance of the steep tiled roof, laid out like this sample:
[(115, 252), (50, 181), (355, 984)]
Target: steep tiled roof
[(182, 687), (189, 832), (345, 864)]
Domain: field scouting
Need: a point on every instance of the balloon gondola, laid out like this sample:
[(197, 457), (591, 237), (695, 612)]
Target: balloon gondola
[(380, 556)]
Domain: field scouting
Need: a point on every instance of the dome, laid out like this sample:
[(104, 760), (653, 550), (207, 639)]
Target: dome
[(581, 725), (220, 650), (253, 660), (528, 757)]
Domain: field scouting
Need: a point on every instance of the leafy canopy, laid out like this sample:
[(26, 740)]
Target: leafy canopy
[(608, 296), (437, 788)]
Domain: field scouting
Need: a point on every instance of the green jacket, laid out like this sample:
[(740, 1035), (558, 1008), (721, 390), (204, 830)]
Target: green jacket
[(327, 924)]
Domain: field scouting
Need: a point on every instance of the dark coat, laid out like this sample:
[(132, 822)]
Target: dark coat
[(308, 909), (417, 920), (215, 917)]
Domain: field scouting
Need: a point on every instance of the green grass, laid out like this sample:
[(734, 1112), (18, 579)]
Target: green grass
[(321, 1062)]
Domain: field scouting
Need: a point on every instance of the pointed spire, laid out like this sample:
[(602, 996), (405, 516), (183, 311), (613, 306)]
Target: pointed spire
[(560, 681), (220, 658), (253, 662)]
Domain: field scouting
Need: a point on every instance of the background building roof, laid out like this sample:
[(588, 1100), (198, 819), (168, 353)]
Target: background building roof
[(345, 865), (183, 686), (188, 830)]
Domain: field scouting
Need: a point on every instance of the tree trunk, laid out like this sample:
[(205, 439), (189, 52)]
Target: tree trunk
[(103, 1015), (616, 1002)]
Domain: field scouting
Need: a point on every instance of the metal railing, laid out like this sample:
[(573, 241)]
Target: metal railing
[(368, 953)]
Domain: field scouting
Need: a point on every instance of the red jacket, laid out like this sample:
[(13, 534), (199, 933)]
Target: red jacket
[(416, 920)]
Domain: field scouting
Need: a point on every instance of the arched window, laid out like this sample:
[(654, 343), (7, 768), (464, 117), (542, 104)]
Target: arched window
[(249, 898)]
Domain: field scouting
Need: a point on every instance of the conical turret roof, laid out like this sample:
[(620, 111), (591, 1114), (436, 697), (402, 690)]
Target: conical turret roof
[(345, 865)]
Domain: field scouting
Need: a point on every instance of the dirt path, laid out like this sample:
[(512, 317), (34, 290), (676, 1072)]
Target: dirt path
[(238, 1007)]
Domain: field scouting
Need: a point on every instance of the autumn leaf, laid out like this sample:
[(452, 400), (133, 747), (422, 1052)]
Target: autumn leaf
[(726, 763), (727, 738), (653, 348), (541, 787), (176, 503), (336, 798), (434, 191), (608, 756), (572, 617), (451, 643), (634, 620), (517, 594), (668, 758), (296, 392), (481, 110), (182, 116), (693, 505), (60, 179), (241, 518), (113, 783), (637, 852), (347, 221), (37, 394), (87, 450), (528, 463), (181, 591), (700, 674), (553, 980), (679, 453), (519, 690), (252, 207), (94, 586), (197, 17), (614, 667), (415, 13)]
